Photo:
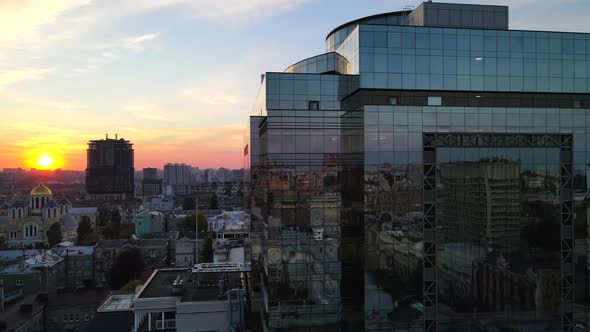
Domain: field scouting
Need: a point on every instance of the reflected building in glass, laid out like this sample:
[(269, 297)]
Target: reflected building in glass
[(429, 172)]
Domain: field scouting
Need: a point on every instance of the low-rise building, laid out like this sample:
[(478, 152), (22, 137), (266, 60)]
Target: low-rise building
[(44, 272), (149, 223), (158, 203), (72, 310), (79, 265), (13, 256), (184, 249), (155, 253), (208, 298), (232, 237), (115, 314)]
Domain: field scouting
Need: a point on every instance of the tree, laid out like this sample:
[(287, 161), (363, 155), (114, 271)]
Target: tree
[(206, 255), (189, 204), (84, 230), (131, 285), (214, 203), (102, 219), (126, 231), (116, 221), (127, 266), (189, 222), (107, 231), (54, 235)]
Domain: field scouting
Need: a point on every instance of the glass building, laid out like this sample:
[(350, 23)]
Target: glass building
[(429, 172), (110, 170)]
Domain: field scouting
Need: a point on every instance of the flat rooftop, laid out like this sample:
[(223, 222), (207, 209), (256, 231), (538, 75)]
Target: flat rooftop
[(161, 283)]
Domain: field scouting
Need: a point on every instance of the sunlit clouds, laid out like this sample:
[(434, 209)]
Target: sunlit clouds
[(178, 78), (18, 75)]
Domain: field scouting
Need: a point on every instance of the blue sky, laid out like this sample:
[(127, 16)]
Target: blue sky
[(177, 77)]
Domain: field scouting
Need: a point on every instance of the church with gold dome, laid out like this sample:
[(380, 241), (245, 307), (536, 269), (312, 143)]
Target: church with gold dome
[(24, 222)]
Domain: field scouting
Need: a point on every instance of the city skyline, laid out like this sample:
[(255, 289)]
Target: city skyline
[(164, 74)]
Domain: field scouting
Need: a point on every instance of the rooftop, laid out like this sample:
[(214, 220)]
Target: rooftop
[(163, 282), (117, 302), (81, 297), (14, 317), (8, 255)]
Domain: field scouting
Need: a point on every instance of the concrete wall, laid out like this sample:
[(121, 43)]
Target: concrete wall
[(205, 316)]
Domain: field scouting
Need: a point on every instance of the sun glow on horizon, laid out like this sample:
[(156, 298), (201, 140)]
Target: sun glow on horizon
[(44, 161)]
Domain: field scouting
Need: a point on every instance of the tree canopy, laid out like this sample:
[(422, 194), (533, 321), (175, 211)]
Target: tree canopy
[(54, 234), (214, 202), (84, 231), (189, 204), (189, 222), (127, 266)]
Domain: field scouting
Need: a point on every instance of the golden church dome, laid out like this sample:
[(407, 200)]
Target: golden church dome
[(41, 190)]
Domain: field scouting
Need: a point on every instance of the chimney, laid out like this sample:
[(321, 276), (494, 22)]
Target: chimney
[(106, 136), (116, 136)]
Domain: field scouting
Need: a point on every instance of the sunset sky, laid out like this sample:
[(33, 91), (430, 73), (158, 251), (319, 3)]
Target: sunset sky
[(176, 77)]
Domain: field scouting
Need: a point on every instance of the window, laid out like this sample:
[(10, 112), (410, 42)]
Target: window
[(392, 100), (314, 105), (577, 104), (19, 281), (86, 318), (65, 318), (434, 101)]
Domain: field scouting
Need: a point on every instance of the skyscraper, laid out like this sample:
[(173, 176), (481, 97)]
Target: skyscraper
[(423, 174), (110, 169), (150, 184), (177, 174)]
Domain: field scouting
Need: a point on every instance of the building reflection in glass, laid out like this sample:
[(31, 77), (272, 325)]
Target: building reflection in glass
[(499, 237)]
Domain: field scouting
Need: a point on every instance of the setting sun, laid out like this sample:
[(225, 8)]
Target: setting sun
[(45, 161)]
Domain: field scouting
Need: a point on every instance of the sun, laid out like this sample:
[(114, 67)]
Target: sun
[(45, 161)]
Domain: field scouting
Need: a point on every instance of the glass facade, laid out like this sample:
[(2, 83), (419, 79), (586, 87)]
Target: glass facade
[(462, 205)]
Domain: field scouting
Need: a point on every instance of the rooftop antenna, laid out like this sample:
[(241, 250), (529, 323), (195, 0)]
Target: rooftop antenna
[(197, 233)]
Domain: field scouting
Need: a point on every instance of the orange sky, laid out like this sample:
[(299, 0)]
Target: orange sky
[(202, 147)]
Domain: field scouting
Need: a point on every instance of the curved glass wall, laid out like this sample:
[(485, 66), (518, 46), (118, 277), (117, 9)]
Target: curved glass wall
[(325, 63)]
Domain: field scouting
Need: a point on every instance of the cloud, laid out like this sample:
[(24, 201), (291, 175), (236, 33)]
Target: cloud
[(226, 12), (142, 38), (149, 111), (18, 75), (23, 19)]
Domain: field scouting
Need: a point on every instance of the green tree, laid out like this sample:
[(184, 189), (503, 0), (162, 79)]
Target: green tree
[(189, 204), (84, 230), (131, 285), (103, 217), (107, 231), (126, 231), (116, 221), (214, 202), (206, 255), (189, 222), (127, 266), (54, 235)]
